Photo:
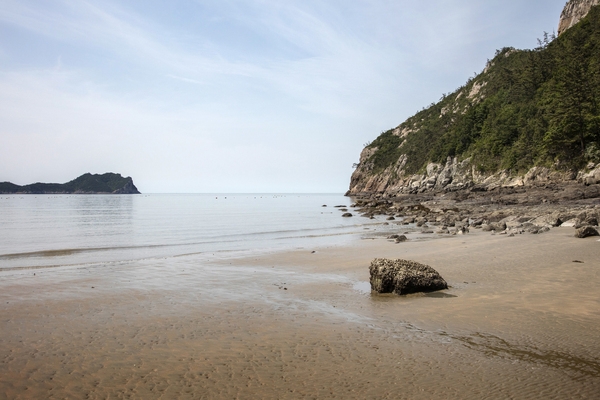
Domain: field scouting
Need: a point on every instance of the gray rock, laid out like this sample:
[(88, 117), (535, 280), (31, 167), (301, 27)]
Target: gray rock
[(553, 219), (586, 231), (591, 180), (404, 277), (582, 224), (347, 215), (500, 226), (401, 239)]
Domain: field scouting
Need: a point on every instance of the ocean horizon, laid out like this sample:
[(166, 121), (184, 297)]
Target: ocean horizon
[(42, 231)]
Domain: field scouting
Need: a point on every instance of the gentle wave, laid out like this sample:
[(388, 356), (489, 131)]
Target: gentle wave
[(68, 230), (217, 239), (115, 262)]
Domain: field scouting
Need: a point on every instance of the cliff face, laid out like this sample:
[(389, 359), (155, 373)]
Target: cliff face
[(574, 11), (532, 116), (457, 175)]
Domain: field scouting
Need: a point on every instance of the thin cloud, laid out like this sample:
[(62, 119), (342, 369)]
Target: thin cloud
[(116, 30), (188, 80), (234, 89)]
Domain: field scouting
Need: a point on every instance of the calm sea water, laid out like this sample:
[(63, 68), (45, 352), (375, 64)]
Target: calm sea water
[(58, 230)]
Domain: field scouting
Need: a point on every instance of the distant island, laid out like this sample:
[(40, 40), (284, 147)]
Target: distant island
[(108, 183)]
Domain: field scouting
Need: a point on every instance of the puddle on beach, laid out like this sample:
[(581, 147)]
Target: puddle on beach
[(362, 287), (365, 288), (439, 295)]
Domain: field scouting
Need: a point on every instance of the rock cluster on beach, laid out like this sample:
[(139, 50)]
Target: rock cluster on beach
[(503, 211), (404, 277)]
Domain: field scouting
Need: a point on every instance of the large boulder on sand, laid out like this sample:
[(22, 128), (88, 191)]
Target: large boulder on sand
[(404, 277)]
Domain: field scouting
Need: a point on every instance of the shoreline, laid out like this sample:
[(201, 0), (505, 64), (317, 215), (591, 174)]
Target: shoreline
[(522, 324)]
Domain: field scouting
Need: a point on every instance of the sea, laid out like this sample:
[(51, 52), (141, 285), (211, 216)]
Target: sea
[(45, 231)]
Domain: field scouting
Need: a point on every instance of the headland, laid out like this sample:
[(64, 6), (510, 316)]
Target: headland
[(108, 183)]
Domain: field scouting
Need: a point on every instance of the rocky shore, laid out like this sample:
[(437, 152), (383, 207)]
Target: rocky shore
[(533, 209), (465, 163)]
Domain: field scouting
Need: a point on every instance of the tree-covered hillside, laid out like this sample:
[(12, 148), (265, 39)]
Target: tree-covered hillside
[(527, 108), (86, 183)]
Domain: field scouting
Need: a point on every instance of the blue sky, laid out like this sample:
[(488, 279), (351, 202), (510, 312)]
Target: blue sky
[(232, 96)]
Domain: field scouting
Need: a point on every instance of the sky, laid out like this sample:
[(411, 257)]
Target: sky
[(233, 96)]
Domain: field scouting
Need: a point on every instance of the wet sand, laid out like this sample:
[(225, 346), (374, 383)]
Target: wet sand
[(521, 320)]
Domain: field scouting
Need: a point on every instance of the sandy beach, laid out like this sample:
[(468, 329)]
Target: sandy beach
[(521, 320)]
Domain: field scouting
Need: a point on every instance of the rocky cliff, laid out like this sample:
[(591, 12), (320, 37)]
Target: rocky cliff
[(532, 116), (457, 175), (574, 11), (108, 183)]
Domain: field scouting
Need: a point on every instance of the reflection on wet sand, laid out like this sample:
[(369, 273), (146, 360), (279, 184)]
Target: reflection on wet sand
[(519, 322)]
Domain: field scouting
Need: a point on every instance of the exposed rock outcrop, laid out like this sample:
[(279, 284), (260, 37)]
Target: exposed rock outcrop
[(457, 175), (590, 176), (509, 212), (129, 188), (574, 11), (404, 277)]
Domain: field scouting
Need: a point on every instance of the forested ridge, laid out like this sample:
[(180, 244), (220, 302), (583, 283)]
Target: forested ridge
[(538, 107), (86, 183)]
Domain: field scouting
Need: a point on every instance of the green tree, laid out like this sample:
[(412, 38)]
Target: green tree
[(571, 101)]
